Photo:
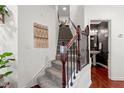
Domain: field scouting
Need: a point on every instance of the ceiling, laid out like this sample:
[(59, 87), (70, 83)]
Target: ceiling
[(63, 13)]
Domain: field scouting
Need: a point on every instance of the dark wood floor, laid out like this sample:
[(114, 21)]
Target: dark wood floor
[(100, 79)]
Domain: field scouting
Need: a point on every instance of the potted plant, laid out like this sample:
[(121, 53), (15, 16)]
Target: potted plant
[(5, 58), (3, 11)]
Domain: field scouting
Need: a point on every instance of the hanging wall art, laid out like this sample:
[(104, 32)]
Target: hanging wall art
[(40, 36)]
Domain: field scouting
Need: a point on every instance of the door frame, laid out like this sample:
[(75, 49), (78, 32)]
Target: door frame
[(109, 42)]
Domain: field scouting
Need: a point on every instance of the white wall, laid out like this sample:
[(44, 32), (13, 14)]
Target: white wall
[(83, 79), (31, 59), (57, 25), (116, 15), (8, 40), (77, 15)]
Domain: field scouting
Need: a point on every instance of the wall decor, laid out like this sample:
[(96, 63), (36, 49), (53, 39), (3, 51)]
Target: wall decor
[(40, 36), (3, 11), (1, 18)]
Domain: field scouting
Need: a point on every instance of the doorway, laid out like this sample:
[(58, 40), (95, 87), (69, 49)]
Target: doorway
[(100, 43)]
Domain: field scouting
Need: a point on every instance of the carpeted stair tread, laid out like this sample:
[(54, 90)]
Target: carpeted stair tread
[(58, 64), (65, 33), (54, 71), (55, 75), (45, 82)]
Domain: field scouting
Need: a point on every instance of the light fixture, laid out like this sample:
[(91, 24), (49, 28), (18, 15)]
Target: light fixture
[(94, 31), (64, 8)]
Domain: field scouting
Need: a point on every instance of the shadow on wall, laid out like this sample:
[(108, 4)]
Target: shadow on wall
[(10, 26), (8, 39), (9, 29)]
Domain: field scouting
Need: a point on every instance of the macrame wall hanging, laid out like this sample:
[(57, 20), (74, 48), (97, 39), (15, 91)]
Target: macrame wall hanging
[(40, 36)]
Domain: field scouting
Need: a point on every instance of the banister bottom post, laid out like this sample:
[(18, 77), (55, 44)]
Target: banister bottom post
[(63, 75)]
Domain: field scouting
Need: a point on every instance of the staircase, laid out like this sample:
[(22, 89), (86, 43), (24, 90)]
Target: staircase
[(62, 72), (53, 75), (65, 36)]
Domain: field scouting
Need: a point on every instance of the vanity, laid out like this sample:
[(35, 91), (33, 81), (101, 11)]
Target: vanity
[(94, 53)]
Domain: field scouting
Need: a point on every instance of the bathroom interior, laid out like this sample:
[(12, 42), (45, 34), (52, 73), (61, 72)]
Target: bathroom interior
[(99, 32)]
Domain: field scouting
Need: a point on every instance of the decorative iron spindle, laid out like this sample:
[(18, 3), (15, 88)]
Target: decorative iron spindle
[(67, 69), (71, 83), (74, 59), (76, 56), (87, 50)]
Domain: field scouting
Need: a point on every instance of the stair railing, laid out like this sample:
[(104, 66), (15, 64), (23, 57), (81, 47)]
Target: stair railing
[(72, 23), (71, 55)]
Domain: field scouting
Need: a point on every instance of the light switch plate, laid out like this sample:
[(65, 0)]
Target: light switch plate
[(120, 35)]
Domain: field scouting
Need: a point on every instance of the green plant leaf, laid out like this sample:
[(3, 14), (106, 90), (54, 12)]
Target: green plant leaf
[(7, 73), (12, 59), (4, 66), (4, 10), (7, 54), (1, 56), (2, 62)]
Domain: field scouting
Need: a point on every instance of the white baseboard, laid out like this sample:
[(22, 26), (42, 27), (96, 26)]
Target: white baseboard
[(101, 65), (117, 78), (30, 84), (90, 82)]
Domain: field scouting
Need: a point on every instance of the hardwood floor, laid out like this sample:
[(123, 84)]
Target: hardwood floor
[(100, 79)]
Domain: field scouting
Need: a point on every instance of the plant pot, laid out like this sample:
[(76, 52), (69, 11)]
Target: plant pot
[(1, 18), (1, 81)]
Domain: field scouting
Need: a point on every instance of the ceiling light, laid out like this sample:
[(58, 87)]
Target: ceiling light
[(64, 8)]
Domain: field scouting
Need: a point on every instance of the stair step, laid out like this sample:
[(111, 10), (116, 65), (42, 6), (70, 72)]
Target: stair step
[(45, 82), (54, 75), (58, 64), (65, 33), (58, 56)]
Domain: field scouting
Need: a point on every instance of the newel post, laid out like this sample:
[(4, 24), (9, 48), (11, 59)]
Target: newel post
[(63, 53), (78, 48)]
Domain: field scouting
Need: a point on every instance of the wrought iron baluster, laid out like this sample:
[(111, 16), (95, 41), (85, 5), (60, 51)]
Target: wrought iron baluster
[(74, 59), (76, 55), (67, 70), (71, 83)]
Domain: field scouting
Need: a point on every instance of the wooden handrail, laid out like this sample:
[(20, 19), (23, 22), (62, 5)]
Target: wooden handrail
[(73, 24), (74, 37), (69, 44)]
